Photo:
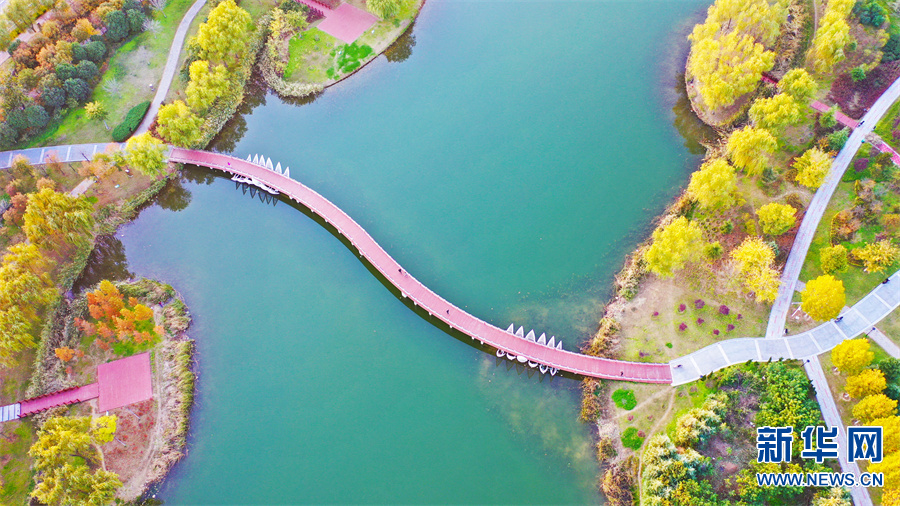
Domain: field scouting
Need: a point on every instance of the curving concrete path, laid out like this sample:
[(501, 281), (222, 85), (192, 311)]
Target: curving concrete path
[(817, 207), (859, 319), (171, 66)]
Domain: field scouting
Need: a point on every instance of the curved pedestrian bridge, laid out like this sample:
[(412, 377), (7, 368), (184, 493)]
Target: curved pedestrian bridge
[(264, 176), (512, 343)]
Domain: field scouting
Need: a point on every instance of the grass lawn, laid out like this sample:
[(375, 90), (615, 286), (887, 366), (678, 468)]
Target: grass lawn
[(885, 127), (890, 326), (857, 282), (15, 466), (649, 338), (310, 56)]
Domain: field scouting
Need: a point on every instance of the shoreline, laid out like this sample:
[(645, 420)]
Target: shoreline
[(282, 88)]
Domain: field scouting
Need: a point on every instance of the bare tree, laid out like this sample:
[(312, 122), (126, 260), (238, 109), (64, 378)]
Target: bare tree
[(159, 5), (113, 86), (152, 25)]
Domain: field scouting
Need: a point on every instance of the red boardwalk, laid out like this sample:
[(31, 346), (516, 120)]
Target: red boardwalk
[(61, 398), (838, 115), (453, 316)]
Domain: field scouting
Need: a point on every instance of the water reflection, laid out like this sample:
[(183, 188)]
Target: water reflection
[(402, 48), (696, 133), (174, 196), (107, 261), (235, 129)]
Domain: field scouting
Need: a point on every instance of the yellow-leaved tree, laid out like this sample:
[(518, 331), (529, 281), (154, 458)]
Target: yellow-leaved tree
[(852, 356), (749, 148), (775, 113), (726, 66), (823, 297), (754, 259), (674, 245), (812, 167), (714, 185), (867, 382), (178, 125), (223, 37), (206, 85), (146, 154), (66, 461), (776, 218), (798, 84), (832, 36), (874, 406), (877, 256), (56, 220), (890, 466)]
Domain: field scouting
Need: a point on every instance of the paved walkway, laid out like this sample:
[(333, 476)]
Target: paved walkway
[(817, 207), (67, 153), (841, 118), (832, 418), (859, 319), (171, 66)]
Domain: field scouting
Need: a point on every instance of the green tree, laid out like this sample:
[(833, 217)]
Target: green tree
[(222, 38), (824, 297), (833, 259), (836, 140), (66, 460), (714, 185), (858, 73), (812, 167), (54, 220), (146, 154), (852, 356), (206, 85), (775, 113), (178, 125), (798, 84), (776, 218), (674, 245), (749, 148), (117, 26)]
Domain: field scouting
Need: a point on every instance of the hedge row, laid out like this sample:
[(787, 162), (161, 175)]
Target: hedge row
[(132, 119)]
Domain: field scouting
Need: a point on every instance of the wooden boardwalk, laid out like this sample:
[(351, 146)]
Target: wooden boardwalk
[(421, 295)]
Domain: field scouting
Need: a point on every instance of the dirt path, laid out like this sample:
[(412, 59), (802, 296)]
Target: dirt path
[(644, 402), (134, 486), (654, 430)]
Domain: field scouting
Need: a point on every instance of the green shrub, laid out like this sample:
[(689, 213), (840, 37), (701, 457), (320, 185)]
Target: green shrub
[(624, 398), (631, 439), (132, 119)]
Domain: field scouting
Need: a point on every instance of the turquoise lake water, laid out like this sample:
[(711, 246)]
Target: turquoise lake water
[(509, 157)]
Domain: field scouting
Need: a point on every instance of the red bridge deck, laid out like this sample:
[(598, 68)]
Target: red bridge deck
[(70, 396), (420, 294)]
